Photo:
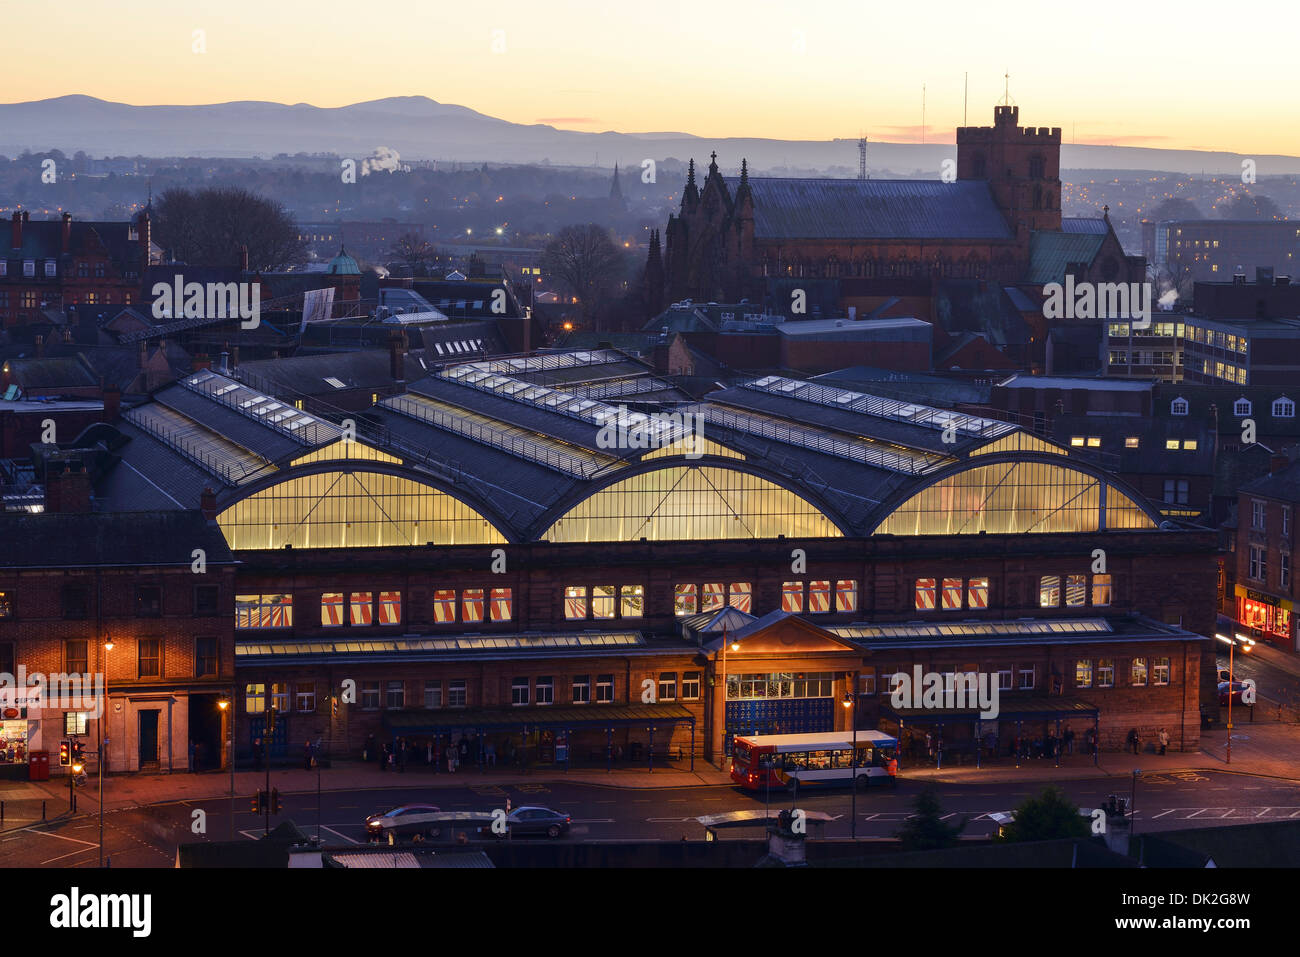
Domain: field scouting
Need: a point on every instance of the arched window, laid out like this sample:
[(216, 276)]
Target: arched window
[(1241, 407), (350, 509), (1283, 408), (1178, 406), (1015, 498), (691, 503)]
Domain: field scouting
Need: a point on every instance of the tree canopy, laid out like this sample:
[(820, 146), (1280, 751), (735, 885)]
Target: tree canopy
[(207, 227)]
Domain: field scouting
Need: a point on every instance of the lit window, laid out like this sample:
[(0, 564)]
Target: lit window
[(925, 588), (331, 609), (741, 596), (1101, 589), (390, 607), (792, 597), (471, 605), (1083, 673), (263, 611), (632, 601), (714, 597), (1094, 441), (444, 605), (503, 604), (819, 597), (602, 601), (361, 607), (1171, 444), (1131, 442), (1139, 672), (1077, 441), (846, 595), (1105, 672), (1160, 671), (575, 601), (1189, 445), (951, 593), (685, 600), (977, 593), (254, 698), (1049, 591), (1076, 590)]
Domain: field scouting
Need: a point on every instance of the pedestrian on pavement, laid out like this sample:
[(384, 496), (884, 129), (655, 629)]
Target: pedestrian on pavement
[(383, 757), (1164, 740), (1133, 740), (428, 754), (368, 753), (307, 759), (400, 756), (1069, 740)]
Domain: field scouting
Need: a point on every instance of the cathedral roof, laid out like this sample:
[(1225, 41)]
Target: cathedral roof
[(787, 208)]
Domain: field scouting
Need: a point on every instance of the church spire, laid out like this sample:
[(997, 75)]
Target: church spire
[(691, 194), (616, 188)]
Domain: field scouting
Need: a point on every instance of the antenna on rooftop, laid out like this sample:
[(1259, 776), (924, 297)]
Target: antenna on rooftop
[(862, 158)]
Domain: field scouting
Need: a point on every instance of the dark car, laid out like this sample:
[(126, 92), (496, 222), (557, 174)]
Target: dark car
[(408, 820), (524, 821)]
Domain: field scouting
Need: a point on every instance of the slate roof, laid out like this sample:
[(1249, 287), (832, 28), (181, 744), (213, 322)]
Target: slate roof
[(58, 540), (1085, 224), (1283, 485), (790, 208), (1050, 253)]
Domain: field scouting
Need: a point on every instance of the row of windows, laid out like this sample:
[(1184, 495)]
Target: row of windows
[(364, 608), (1259, 517), (1157, 671), (148, 657), (75, 604), (953, 594), (1282, 407), (1257, 568), (763, 687), (524, 690), (629, 600)]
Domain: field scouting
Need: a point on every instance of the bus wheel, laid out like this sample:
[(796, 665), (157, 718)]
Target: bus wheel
[(863, 781)]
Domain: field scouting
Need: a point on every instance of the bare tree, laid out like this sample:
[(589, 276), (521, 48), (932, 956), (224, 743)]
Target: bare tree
[(414, 251), (210, 225), (584, 261)]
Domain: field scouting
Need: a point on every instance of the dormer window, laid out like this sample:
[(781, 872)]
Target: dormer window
[(1241, 408), (1178, 406), (50, 268), (1283, 408), (29, 267)]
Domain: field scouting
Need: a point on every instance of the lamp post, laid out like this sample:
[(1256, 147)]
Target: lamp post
[(735, 646), (1246, 643), (1132, 801), (851, 703), (108, 646), (224, 705)]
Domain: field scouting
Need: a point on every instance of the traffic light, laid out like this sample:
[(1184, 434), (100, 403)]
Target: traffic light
[(259, 802), (65, 753), (78, 753), (275, 800)]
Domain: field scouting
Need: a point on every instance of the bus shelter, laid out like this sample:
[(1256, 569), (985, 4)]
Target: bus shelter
[(562, 720), (1035, 711)]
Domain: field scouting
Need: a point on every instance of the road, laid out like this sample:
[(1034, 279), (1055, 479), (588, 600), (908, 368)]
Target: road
[(147, 836)]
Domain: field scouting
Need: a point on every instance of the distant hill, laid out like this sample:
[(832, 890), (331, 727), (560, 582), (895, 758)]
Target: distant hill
[(420, 128)]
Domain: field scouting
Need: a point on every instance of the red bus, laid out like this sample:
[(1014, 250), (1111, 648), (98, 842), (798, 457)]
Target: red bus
[(822, 758)]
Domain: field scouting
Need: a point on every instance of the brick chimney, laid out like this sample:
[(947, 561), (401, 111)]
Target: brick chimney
[(112, 403), (1278, 463), (397, 356), (16, 230), (67, 485), (65, 234), (208, 504), (200, 362)]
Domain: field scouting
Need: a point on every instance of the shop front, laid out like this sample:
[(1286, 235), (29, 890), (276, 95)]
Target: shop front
[(1266, 616)]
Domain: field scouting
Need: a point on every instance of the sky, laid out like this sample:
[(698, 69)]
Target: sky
[(1187, 75)]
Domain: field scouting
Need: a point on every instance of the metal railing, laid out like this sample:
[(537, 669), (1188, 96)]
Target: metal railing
[(233, 471)]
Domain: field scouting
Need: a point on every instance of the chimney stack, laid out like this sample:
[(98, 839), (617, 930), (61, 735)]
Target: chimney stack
[(112, 403), (66, 234), (1278, 463), (16, 230), (67, 485)]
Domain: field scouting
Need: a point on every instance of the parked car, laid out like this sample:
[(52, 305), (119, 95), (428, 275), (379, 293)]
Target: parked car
[(408, 820), (523, 821), (1237, 687)]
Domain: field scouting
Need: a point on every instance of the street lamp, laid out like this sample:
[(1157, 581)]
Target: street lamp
[(224, 705), (108, 646), (851, 702), (1247, 643), (735, 646)]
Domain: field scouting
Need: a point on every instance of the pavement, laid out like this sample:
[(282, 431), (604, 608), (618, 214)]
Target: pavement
[(1268, 748)]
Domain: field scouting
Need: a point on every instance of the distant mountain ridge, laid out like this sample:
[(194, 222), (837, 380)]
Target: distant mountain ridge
[(423, 129)]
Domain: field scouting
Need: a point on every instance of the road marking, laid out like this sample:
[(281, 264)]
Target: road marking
[(75, 840), (1163, 813), (69, 854), (324, 827), (608, 820), (1263, 812), (668, 820), (871, 817)]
